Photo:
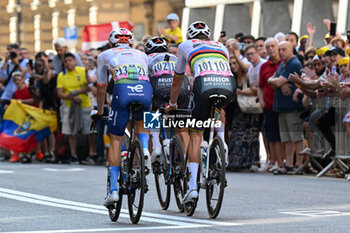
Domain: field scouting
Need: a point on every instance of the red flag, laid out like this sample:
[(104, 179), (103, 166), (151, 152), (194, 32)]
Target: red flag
[(95, 36)]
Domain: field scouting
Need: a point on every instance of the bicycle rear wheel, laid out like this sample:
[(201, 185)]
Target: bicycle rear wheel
[(114, 210), (216, 181), (161, 178), (136, 181), (177, 156)]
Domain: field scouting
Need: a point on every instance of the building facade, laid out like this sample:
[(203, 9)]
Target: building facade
[(267, 17), (34, 24)]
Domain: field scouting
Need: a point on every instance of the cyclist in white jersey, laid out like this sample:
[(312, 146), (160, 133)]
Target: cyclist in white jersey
[(209, 61), (129, 69), (161, 67)]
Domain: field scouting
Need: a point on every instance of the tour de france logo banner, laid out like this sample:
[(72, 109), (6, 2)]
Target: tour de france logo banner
[(24, 126)]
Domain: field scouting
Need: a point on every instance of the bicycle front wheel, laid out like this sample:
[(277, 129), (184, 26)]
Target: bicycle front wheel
[(136, 181), (161, 178), (178, 167), (216, 181)]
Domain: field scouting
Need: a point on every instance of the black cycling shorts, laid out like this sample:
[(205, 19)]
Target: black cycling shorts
[(207, 86), (161, 92)]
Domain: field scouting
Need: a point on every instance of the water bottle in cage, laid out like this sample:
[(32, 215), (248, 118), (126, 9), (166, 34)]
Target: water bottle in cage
[(204, 153), (124, 155)]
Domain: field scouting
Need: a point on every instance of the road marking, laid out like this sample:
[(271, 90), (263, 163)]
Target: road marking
[(84, 209), (317, 213), (64, 169), (6, 172), (125, 211), (134, 228)]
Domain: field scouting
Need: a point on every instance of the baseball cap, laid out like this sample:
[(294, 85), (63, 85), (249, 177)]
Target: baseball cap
[(344, 61), (315, 58), (336, 50), (173, 16), (303, 37), (321, 51)]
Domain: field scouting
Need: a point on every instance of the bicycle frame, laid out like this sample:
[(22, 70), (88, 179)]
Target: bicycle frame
[(214, 116)]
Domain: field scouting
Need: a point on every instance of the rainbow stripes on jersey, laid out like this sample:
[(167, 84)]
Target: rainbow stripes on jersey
[(205, 52)]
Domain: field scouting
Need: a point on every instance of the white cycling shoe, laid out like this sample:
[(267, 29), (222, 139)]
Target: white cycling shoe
[(111, 198), (190, 196), (156, 155), (147, 157)]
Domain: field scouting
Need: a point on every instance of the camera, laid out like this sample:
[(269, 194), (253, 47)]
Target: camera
[(31, 81), (13, 55), (30, 63)]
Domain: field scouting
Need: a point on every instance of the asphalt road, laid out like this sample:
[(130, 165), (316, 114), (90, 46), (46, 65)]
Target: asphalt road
[(64, 198)]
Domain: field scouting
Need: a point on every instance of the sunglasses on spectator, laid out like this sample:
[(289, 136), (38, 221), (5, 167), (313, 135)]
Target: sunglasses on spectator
[(309, 57), (17, 79)]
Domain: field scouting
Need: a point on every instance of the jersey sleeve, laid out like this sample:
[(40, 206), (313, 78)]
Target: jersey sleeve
[(180, 66), (101, 71), (59, 81)]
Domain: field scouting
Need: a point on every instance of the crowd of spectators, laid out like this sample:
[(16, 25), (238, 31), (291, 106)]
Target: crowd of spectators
[(286, 73)]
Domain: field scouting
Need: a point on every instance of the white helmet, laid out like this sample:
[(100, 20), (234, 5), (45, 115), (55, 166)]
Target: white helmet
[(197, 28), (120, 36), (156, 45)]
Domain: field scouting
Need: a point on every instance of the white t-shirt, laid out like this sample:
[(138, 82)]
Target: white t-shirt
[(253, 73)]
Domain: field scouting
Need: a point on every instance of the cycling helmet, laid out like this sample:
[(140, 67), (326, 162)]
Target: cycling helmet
[(120, 36), (198, 28), (156, 45)]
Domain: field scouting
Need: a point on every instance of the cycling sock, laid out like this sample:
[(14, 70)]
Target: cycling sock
[(193, 169), (113, 180), (221, 131), (144, 139), (155, 139)]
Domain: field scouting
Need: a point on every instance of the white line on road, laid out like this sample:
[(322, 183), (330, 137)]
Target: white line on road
[(76, 169), (146, 214), (84, 209), (6, 172), (134, 228), (317, 213)]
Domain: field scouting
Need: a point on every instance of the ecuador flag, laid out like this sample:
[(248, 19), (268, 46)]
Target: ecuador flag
[(25, 126)]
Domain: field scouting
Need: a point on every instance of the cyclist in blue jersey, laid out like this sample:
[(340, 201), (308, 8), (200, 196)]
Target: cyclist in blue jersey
[(129, 69)]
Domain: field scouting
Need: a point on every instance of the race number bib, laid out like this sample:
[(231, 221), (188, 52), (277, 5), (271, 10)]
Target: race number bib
[(213, 67), (163, 67), (130, 71)]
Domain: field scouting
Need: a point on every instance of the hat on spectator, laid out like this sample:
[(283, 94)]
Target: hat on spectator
[(344, 61), (348, 51), (303, 37), (336, 50), (321, 51), (315, 58), (247, 36), (61, 42), (327, 36), (173, 16)]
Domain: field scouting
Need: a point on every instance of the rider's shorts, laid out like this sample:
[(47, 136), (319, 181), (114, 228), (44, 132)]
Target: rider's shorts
[(123, 94), (161, 92), (207, 86)]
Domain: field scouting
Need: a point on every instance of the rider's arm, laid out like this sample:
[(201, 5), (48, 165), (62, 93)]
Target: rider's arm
[(178, 76), (102, 76)]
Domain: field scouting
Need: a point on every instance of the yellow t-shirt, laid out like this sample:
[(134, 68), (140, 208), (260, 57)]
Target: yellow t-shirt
[(176, 32), (74, 80)]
